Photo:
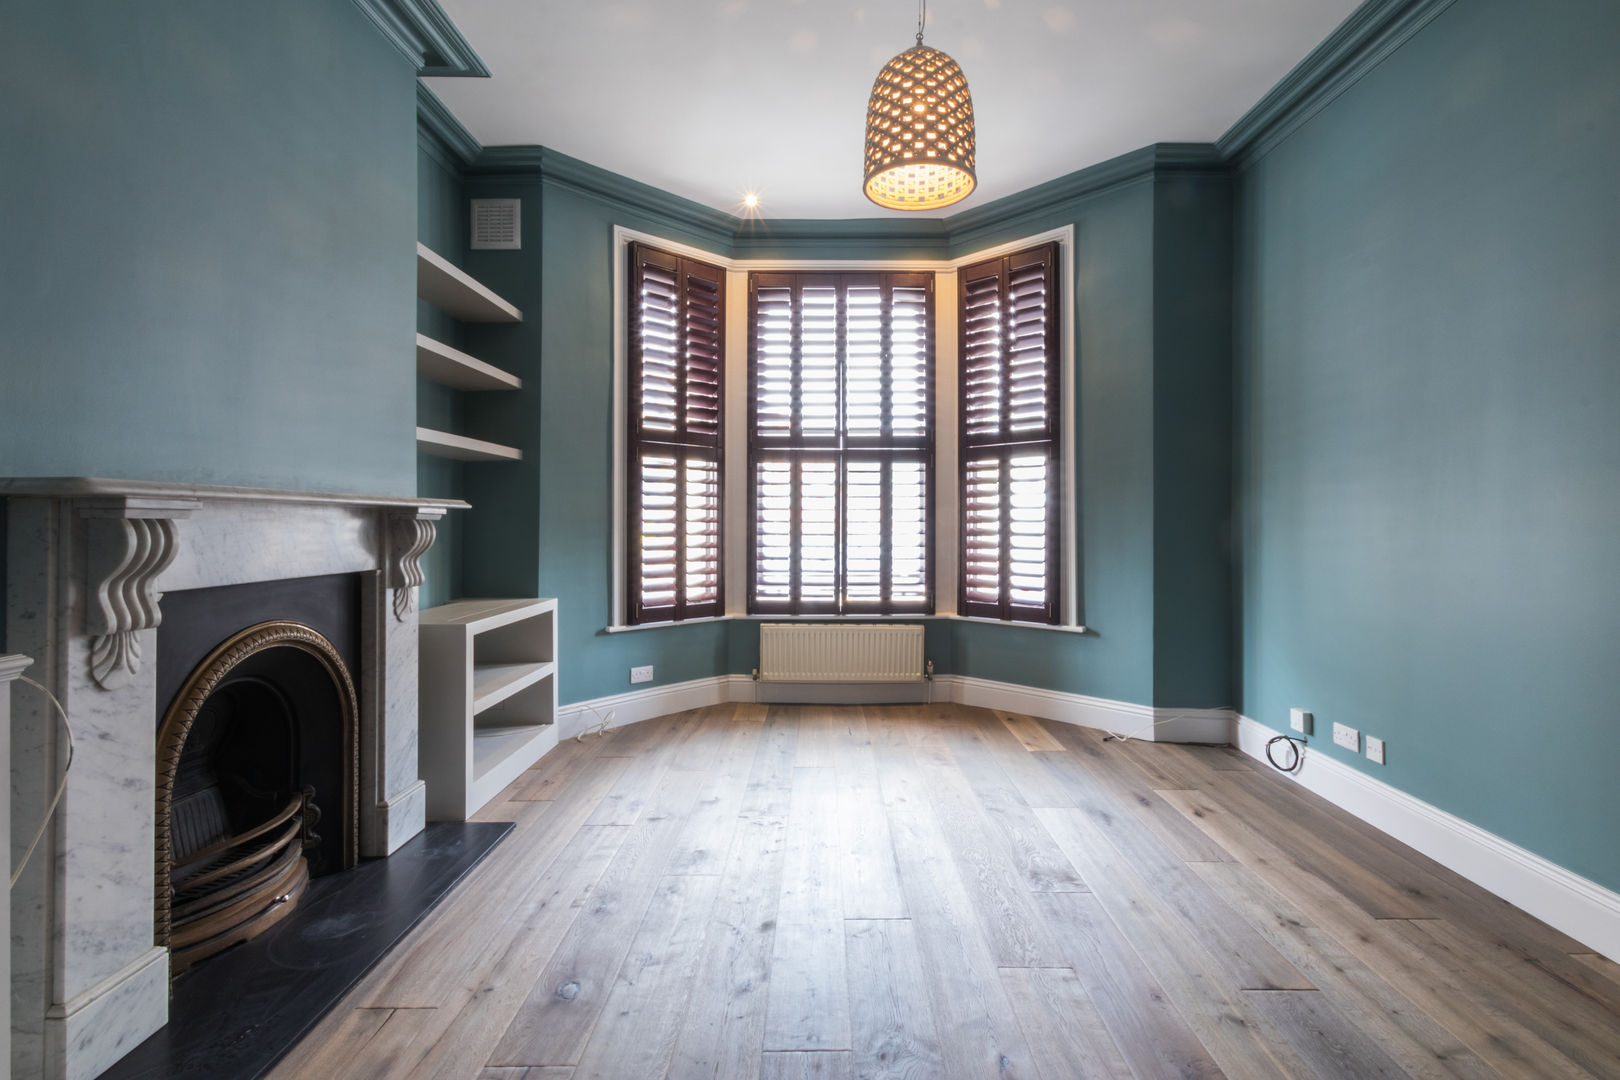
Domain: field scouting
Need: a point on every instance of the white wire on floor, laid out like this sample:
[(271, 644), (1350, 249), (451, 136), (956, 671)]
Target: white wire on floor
[(601, 725), (1144, 731)]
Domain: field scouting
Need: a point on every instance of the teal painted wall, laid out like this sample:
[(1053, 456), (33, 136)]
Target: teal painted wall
[(1428, 383), (1192, 442), (1113, 288), (207, 238), (500, 535), (1153, 300)]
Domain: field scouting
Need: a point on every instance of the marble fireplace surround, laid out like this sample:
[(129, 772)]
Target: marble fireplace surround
[(87, 562)]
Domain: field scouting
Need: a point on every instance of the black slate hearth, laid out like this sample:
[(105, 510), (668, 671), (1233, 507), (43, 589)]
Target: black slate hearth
[(236, 1014)]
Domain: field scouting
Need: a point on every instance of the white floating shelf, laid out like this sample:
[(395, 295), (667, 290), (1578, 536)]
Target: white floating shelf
[(449, 445), (452, 367), (455, 292)]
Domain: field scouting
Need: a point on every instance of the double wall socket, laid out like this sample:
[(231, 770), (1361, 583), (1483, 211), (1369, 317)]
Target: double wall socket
[(1347, 737), (641, 674), (1299, 720)]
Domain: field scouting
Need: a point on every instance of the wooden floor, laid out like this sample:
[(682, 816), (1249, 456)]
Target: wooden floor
[(802, 891)]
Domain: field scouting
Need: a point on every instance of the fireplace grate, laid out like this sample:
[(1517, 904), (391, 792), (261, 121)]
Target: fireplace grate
[(232, 889)]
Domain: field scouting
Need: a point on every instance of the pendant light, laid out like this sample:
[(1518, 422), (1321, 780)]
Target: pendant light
[(919, 130)]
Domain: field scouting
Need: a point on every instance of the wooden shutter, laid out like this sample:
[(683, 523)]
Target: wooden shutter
[(677, 348), (1011, 434), (841, 443)]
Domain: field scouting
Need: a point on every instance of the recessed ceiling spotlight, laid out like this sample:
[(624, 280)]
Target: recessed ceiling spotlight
[(751, 200)]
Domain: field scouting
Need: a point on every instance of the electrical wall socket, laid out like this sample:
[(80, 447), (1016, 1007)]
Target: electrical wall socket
[(1375, 750), (1347, 737), (1299, 720), (641, 674)]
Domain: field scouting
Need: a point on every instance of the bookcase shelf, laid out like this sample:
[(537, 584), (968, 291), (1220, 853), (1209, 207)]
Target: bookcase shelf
[(488, 693)]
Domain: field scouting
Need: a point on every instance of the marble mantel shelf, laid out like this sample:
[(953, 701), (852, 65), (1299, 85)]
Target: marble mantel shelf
[(91, 487)]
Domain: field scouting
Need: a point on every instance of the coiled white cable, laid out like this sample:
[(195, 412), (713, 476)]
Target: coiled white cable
[(602, 722)]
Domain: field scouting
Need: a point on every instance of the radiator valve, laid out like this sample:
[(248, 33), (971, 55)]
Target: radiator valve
[(928, 670), (756, 674)]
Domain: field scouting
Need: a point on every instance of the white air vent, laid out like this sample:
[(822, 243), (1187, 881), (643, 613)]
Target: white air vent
[(497, 223)]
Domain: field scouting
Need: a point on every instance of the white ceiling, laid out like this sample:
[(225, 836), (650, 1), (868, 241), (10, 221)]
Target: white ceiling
[(709, 98)]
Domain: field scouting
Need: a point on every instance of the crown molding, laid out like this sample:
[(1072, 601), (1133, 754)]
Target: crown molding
[(1138, 166), (553, 167), (440, 133), (425, 36), (1190, 159), (1372, 32), (444, 137), (809, 238)]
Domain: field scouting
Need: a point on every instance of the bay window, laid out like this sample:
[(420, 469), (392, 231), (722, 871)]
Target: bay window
[(845, 499)]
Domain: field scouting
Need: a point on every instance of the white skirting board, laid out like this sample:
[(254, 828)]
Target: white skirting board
[(1120, 717), (1583, 909), (638, 705)]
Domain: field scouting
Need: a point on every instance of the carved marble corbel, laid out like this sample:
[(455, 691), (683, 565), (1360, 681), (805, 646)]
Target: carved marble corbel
[(410, 533), (129, 541)]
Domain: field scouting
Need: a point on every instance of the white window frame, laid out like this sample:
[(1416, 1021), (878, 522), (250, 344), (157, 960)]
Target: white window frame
[(734, 534)]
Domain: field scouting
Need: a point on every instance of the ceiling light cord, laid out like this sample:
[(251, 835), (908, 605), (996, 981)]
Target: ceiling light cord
[(922, 18)]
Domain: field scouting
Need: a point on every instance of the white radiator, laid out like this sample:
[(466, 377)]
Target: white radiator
[(840, 653)]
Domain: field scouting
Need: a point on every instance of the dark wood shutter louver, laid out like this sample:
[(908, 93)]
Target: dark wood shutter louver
[(1011, 434), (841, 443), (676, 364)]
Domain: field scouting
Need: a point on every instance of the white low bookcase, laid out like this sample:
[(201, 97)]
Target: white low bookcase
[(488, 692)]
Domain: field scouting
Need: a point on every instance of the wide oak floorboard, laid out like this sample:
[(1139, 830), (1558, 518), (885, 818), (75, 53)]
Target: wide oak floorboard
[(774, 892)]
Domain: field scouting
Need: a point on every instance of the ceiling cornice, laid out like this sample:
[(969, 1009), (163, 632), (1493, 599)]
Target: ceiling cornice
[(441, 134), (1373, 31), (554, 167), (425, 36), (972, 226), (814, 238)]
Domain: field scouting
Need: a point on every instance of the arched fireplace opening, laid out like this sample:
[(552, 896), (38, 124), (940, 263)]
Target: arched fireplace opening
[(257, 787)]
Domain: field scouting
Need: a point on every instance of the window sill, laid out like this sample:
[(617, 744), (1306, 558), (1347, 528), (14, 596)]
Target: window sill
[(1061, 629), (741, 616), (627, 628)]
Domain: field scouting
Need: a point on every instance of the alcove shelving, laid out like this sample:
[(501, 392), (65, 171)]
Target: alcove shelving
[(488, 696), (466, 299)]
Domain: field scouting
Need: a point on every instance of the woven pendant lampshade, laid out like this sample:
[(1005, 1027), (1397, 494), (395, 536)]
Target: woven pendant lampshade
[(919, 132)]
